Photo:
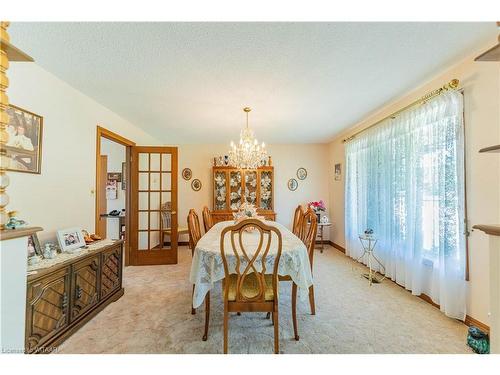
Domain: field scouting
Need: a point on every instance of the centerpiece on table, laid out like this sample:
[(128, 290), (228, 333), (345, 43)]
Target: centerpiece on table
[(247, 211), (317, 207)]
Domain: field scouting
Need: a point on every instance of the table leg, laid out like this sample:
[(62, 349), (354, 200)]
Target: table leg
[(321, 238)]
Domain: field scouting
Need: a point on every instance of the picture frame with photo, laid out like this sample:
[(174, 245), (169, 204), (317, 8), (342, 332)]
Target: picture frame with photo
[(34, 247), (24, 144), (70, 239)]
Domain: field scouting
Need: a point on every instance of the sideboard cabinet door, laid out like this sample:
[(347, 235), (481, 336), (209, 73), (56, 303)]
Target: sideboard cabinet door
[(47, 308), (111, 270), (84, 286)]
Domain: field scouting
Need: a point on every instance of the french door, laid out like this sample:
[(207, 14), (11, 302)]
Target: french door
[(154, 221)]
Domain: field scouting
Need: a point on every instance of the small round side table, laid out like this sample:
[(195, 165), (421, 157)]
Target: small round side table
[(368, 243), (320, 233)]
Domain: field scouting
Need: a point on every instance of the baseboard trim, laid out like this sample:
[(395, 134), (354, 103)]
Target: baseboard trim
[(338, 247), (469, 321)]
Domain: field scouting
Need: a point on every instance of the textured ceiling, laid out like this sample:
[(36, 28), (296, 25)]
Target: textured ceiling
[(188, 82)]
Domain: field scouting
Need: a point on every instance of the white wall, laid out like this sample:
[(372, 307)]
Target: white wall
[(116, 154), (481, 82), (286, 159), (63, 194)]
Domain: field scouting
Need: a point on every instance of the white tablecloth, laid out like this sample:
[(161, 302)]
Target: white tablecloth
[(207, 267)]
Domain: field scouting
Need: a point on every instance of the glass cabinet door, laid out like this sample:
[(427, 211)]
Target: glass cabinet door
[(220, 202), (266, 190), (251, 187), (235, 196)]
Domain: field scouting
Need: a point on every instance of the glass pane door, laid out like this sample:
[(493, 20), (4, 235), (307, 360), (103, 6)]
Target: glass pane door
[(154, 205)]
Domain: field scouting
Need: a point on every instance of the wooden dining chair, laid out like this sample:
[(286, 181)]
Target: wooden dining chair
[(250, 288), (306, 231), (309, 232), (194, 230), (166, 222), (207, 219), (297, 218)]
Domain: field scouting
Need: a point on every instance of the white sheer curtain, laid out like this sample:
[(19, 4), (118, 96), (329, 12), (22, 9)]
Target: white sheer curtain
[(405, 180)]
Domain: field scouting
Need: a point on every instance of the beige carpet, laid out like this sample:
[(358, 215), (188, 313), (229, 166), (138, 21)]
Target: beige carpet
[(154, 317)]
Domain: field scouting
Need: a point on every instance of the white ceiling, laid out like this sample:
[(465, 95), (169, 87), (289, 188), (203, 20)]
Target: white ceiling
[(188, 82)]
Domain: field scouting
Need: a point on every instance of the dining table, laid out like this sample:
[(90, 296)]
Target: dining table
[(207, 267)]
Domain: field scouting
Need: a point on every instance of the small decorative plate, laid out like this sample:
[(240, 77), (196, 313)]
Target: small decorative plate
[(187, 174), (196, 184), (292, 184), (301, 173)]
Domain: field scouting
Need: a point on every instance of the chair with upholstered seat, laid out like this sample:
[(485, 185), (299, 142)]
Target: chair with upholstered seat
[(194, 231), (166, 222), (250, 288), (207, 219)]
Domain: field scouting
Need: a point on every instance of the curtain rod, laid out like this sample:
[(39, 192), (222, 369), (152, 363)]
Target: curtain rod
[(452, 85)]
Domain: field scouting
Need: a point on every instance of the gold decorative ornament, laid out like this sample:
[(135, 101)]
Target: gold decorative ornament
[(4, 121)]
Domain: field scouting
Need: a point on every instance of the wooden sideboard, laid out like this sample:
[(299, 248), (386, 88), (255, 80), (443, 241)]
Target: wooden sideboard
[(233, 186), (63, 297)]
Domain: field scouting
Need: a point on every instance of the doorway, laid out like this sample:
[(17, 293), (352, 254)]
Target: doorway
[(113, 187)]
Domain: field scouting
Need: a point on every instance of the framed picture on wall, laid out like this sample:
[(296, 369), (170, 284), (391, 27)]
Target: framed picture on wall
[(115, 176), (338, 171), (24, 145)]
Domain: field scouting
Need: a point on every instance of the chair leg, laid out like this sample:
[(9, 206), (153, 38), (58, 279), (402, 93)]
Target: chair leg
[(226, 315), (268, 315), (193, 310), (238, 313), (207, 315), (276, 331), (311, 300), (294, 311)]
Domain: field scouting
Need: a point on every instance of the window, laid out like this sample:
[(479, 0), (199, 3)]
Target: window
[(405, 180)]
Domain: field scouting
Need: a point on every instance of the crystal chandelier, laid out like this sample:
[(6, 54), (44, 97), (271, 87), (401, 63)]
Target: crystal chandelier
[(248, 154)]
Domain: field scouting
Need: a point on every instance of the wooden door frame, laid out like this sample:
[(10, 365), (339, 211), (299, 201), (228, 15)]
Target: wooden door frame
[(105, 133)]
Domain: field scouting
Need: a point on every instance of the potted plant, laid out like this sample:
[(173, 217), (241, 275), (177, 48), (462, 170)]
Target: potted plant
[(317, 207)]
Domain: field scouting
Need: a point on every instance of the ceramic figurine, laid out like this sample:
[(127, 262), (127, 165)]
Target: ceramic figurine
[(49, 251), (14, 222), (324, 219)]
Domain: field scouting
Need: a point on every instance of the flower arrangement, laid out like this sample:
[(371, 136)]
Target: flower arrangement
[(246, 211), (318, 206)]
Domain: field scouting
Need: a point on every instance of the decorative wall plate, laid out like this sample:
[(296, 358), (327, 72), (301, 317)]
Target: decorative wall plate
[(187, 174), (301, 173), (292, 184), (196, 184)]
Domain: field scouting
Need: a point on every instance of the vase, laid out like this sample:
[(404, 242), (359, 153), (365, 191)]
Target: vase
[(318, 218)]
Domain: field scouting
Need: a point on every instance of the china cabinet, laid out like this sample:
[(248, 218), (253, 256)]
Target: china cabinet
[(233, 186)]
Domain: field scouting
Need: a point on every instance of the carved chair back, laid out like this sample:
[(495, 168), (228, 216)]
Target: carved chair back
[(251, 263), (297, 218), (309, 229), (166, 215), (194, 230), (207, 219)]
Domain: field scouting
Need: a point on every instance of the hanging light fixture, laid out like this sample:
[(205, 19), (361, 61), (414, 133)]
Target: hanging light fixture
[(248, 154)]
